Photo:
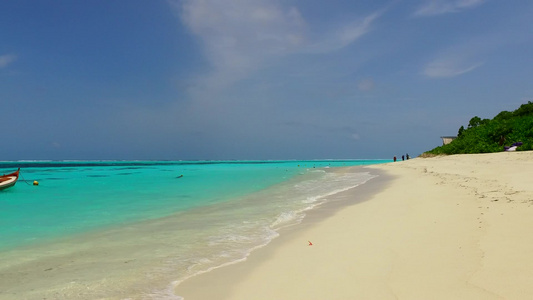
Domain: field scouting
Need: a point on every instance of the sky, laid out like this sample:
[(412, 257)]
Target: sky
[(254, 79)]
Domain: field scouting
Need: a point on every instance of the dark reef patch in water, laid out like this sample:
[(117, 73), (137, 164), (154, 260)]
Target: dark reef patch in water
[(127, 168)]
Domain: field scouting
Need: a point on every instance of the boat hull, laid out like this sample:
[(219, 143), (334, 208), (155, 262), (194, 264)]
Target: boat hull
[(9, 180)]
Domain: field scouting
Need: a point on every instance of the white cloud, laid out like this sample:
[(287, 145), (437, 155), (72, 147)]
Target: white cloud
[(460, 59), (6, 59), (437, 7), (449, 67), (239, 37), (344, 35)]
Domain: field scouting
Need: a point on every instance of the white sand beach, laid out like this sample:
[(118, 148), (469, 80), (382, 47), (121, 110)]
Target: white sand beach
[(450, 227)]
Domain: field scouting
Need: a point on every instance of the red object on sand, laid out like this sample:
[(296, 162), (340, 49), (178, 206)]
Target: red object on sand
[(310, 244)]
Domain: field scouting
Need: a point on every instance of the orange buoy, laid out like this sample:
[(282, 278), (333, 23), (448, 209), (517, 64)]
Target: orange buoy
[(36, 182)]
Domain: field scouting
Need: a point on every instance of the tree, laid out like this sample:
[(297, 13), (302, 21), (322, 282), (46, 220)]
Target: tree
[(525, 109), (461, 131), (484, 135), (474, 122), (504, 115)]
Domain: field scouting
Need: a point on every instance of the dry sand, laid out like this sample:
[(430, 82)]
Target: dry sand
[(454, 227)]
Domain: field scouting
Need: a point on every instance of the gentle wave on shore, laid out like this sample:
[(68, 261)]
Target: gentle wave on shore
[(132, 230)]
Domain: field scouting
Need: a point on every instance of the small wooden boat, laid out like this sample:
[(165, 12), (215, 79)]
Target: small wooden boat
[(9, 180)]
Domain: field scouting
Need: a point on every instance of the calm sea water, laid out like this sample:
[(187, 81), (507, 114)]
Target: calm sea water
[(157, 222)]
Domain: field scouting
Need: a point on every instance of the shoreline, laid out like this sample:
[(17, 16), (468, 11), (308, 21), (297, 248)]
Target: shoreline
[(221, 280), (143, 260), (453, 227)]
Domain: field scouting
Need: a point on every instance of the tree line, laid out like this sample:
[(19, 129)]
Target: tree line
[(491, 135)]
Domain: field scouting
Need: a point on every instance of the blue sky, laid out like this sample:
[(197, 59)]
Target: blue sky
[(255, 79)]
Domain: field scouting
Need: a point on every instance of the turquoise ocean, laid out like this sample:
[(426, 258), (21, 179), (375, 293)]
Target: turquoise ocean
[(136, 229)]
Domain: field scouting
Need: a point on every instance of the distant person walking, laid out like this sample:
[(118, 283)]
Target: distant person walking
[(395, 159), (403, 157), (407, 156)]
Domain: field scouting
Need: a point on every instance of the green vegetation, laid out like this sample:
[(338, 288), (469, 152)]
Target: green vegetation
[(485, 136)]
